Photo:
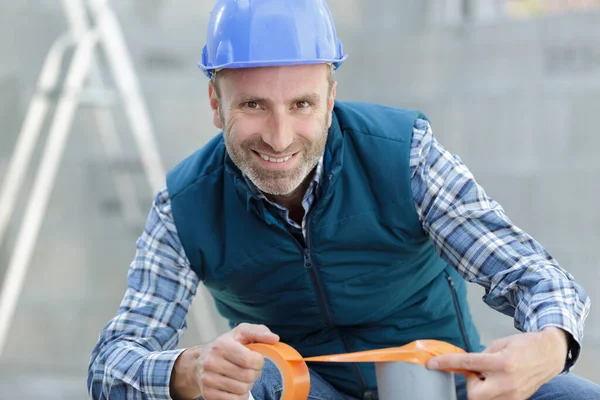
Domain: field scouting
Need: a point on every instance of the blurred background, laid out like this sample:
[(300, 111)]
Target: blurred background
[(511, 86)]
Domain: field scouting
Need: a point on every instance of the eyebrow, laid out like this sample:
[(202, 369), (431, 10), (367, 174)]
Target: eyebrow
[(310, 97)]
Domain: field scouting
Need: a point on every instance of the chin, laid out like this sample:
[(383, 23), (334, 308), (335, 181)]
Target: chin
[(283, 189), (278, 191)]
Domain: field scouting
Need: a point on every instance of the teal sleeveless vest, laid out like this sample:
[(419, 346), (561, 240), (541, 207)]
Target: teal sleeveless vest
[(368, 277)]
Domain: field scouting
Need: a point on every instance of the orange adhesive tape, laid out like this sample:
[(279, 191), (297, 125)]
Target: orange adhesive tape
[(294, 371)]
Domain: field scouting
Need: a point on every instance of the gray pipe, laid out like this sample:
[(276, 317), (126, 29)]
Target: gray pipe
[(408, 381)]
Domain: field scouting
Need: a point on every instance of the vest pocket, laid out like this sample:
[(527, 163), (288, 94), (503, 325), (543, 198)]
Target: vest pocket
[(459, 315)]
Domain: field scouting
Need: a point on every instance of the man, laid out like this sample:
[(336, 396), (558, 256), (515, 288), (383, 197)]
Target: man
[(333, 227)]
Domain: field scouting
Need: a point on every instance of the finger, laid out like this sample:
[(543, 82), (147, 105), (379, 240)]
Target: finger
[(474, 388), (243, 357), (488, 389), (228, 348), (225, 384), (252, 333), (476, 362), (216, 394), (226, 368)]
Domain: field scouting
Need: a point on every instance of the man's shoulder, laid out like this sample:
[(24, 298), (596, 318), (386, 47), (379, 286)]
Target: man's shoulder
[(377, 119), (207, 160)]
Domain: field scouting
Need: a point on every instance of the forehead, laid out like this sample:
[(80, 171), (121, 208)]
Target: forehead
[(274, 81)]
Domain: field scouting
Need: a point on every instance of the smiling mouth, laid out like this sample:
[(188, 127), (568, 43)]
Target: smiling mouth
[(273, 159)]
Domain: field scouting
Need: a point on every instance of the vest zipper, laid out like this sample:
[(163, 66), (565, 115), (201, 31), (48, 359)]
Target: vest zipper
[(461, 323), (316, 280), (323, 301)]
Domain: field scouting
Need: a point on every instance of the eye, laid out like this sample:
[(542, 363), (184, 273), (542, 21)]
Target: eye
[(302, 104), (252, 105)]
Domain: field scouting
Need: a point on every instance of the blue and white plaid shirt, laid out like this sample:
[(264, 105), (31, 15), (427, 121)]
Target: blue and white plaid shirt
[(136, 352)]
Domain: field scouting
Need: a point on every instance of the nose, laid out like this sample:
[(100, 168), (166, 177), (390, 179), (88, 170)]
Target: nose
[(279, 134)]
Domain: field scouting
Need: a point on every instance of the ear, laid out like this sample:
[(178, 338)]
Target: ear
[(214, 105), (331, 102)]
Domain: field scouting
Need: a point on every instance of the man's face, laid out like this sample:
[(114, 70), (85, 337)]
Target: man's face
[(275, 122)]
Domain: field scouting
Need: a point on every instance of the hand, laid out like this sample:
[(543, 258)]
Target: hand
[(224, 369), (512, 368)]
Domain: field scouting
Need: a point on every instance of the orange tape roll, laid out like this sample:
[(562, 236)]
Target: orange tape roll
[(294, 371)]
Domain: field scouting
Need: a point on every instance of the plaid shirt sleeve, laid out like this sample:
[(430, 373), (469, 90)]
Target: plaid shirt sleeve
[(135, 354), (472, 233)]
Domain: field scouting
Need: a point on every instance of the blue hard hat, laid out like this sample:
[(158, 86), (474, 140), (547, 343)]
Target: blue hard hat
[(261, 33)]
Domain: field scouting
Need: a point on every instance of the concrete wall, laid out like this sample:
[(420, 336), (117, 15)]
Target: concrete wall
[(516, 100)]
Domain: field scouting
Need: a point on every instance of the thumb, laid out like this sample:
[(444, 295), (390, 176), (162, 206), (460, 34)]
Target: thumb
[(253, 333), (475, 362)]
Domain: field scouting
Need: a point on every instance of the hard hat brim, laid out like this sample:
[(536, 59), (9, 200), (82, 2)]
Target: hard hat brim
[(208, 70)]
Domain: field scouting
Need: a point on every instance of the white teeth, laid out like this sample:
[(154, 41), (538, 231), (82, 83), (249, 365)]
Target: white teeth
[(274, 160)]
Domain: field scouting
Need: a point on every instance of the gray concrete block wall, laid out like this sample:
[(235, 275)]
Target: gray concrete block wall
[(526, 90)]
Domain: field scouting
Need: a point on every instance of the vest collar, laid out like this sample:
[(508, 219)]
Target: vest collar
[(334, 157)]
